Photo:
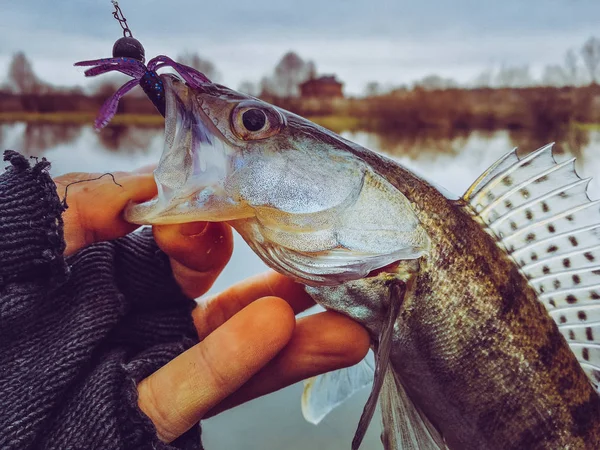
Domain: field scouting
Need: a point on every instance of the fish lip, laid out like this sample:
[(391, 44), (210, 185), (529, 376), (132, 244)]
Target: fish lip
[(175, 204), (169, 79)]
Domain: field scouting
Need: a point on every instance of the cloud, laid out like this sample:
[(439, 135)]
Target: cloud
[(388, 40)]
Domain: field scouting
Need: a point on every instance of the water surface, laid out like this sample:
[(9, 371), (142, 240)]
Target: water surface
[(275, 422)]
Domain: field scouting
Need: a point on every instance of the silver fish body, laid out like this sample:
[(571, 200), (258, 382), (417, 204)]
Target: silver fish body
[(468, 355)]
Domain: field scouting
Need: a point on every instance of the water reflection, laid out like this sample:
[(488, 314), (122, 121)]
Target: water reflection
[(37, 139), (455, 160), (128, 138), (452, 160), (426, 142)]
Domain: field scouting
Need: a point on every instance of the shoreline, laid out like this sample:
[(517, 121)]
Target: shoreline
[(336, 123)]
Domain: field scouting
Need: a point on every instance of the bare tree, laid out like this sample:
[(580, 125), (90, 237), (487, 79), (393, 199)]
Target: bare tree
[(248, 87), (571, 67), (372, 89), (290, 72), (21, 78), (433, 82), (266, 87), (311, 70), (484, 79), (591, 57), (205, 66), (517, 76), (555, 75)]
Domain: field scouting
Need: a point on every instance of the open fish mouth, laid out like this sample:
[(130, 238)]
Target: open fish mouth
[(306, 204), (193, 171)]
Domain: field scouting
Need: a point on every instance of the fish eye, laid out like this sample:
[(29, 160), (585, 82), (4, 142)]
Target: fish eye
[(252, 120)]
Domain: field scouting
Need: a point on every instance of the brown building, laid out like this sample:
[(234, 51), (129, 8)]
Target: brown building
[(324, 86)]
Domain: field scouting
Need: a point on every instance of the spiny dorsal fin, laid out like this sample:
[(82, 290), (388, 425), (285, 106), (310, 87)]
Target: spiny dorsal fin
[(541, 214)]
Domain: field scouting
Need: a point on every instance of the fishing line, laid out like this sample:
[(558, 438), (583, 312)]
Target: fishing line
[(127, 46), (118, 15), (64, 202), (129, 58)]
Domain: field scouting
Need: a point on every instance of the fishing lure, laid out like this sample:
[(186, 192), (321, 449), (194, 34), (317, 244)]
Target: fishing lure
[(128, 58)]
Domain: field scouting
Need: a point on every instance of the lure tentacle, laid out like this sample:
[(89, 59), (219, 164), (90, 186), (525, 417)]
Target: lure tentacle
[(146, 77), (97, 62), (109, 108), (190, 75), (131, 70)]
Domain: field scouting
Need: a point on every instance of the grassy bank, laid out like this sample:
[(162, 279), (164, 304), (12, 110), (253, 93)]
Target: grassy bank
[(336, 123), (401, 111), (587, 126), (80, 118)]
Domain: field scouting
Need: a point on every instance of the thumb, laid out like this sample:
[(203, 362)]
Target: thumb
[(95, 207)]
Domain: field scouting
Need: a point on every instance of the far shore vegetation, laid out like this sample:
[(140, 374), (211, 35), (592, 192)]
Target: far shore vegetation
[(565, 96), (336, 123)]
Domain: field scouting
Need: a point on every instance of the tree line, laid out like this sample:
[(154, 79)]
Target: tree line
[(579, 67)]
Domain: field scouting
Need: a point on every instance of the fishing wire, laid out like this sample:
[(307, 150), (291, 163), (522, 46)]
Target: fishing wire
[(64, 202), (118, 15)]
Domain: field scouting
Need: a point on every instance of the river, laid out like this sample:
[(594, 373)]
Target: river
[(275, 422)]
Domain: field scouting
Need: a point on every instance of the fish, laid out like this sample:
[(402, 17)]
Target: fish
[(483, 310)]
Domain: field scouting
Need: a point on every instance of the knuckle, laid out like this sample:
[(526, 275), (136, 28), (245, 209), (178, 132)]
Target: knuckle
[(165, 422), (212, 373)]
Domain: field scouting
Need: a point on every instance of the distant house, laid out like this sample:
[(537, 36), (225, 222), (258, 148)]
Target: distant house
[(324, 86)]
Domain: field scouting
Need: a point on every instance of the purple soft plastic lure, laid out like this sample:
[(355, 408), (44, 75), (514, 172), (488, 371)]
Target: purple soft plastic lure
[(145, 76)]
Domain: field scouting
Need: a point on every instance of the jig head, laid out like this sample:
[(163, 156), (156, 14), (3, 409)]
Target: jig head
[(144, 76), (128, 58)]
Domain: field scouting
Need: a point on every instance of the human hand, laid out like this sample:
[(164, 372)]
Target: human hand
[(95, 207), (251, 343)]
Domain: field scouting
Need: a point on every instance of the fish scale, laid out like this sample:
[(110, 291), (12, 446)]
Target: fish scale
[(482, 311)]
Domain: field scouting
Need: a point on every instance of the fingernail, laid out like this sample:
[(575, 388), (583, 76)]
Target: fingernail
[(193, 228)]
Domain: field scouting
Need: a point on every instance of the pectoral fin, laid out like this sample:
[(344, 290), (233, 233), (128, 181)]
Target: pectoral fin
[(325, 392), (382, 359), (404, 427)]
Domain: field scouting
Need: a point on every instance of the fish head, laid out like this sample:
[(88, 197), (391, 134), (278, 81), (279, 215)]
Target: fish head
[(292, 189)]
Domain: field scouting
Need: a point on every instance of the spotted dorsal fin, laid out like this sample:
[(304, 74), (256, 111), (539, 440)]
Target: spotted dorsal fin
[(540, 213)]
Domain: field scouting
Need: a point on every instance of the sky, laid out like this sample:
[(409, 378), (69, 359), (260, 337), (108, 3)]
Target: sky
[(392, 42)]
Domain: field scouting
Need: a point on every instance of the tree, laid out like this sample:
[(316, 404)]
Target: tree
[(517, 76), (372, 89), (484, 79), (591, 57), (194, 60), (571, 67), (555, 75), (21, 78), (433, 82), (289, 73), (248, 87)]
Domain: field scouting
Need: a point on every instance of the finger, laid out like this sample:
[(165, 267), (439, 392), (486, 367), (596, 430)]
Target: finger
[(95, 207), (321, 343), (198, 252), (149, 168), (179, 394), (214, 311)]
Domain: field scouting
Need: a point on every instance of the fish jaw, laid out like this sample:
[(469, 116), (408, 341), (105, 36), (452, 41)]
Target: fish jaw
[(308, 206), (193, 172), (208, 173)]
